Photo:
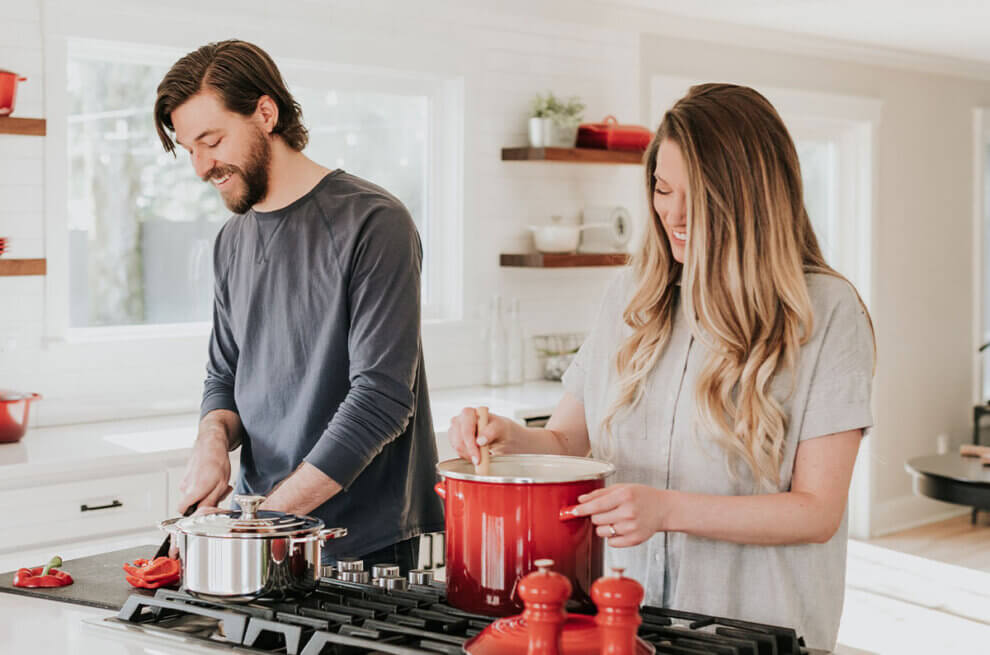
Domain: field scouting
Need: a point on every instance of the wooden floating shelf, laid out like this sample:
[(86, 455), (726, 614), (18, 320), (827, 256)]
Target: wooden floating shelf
[(9, 267), (571, 260), (23, 126), (573, 155)]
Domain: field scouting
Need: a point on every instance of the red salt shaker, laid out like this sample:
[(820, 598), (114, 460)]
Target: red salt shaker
[(618, 599), (544, 593)]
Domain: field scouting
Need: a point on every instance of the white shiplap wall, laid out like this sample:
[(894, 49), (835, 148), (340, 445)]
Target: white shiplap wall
[(503, 59)]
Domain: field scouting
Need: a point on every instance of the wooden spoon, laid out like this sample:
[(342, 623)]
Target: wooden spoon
[(483, 466)]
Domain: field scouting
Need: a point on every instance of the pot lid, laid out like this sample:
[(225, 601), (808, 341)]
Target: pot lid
[(248, 522), (529, 469)]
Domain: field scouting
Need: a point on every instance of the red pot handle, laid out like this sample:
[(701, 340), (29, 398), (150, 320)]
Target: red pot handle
[(567, 513), (440, 489), (21, 79)]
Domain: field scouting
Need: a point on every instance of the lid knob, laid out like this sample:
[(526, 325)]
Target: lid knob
[(249, 505), (618, 599), (544, 592)]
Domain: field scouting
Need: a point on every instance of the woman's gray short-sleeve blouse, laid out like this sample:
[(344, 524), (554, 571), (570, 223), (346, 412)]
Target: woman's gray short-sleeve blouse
[(658, 443)]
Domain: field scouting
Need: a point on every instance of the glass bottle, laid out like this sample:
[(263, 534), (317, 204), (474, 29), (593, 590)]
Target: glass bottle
[(516, 345), (497, 345)]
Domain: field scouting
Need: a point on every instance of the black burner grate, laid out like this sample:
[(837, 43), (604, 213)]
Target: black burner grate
[(346, 618)]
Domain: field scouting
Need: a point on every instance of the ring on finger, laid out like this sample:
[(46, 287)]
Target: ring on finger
[(612, 531)]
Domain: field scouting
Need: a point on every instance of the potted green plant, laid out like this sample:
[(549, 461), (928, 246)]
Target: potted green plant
[(554, 122)]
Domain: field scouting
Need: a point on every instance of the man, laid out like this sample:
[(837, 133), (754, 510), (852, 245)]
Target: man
[(315, 360)]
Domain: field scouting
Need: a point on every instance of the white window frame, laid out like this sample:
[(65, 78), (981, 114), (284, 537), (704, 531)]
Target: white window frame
[(441, 235), (851, 122), (981, 141)]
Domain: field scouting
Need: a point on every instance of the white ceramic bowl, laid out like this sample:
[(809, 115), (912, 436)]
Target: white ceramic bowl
[(556, 238)]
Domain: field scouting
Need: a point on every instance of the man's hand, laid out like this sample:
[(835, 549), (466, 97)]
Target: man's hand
[(207, 478)]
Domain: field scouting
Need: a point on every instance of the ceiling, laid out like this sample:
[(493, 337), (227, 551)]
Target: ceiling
[(950, 28)]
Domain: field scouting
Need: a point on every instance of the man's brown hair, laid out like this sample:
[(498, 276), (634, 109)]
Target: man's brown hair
[(239, 73)]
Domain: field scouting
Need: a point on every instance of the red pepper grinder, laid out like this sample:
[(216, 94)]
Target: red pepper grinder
[(618, 599), (544, 593)]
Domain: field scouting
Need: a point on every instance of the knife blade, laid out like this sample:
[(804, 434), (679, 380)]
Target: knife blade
[(163, 549)]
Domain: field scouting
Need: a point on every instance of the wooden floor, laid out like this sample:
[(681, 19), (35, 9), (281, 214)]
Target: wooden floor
[(954, 541)]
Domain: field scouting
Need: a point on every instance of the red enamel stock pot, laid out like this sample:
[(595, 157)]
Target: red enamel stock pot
[(8, 91), (499, 525), (14, 408)]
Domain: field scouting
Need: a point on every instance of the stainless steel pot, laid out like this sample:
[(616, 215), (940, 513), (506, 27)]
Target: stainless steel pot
[(249, 554)]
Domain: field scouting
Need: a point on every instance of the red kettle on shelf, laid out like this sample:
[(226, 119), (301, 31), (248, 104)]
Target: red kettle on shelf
[(545, 628), (8, 91)]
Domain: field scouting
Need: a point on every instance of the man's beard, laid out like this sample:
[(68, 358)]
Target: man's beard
[(254, 174)]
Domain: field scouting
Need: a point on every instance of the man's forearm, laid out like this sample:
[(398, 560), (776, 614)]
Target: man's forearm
[(306, 489), (222, 424)]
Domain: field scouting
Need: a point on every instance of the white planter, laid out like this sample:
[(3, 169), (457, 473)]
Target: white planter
[(541, 132)]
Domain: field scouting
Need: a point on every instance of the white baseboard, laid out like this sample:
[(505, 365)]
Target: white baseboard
[(907, 512)]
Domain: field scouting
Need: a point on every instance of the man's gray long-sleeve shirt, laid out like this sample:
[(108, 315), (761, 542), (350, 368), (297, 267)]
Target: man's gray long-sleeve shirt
[(316, 345)]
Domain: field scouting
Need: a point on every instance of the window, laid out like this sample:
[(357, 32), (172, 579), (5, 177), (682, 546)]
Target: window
[(818, 168), (142, 225)]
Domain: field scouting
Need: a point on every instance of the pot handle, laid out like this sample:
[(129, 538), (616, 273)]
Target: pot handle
[(567, 513), (169, 525), (440, 490), (323, 535)]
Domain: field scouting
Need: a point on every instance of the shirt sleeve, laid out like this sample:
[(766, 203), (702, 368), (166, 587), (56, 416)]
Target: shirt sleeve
[(383, 345), (840, 390), (221, 367)]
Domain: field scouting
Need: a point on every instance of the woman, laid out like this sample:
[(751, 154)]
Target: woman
[(727, 377)]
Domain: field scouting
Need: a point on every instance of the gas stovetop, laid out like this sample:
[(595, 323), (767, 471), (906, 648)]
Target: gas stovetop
[(345, 618)]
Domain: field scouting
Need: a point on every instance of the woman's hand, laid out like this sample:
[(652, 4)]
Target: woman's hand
[(499, 436), (625, 514)]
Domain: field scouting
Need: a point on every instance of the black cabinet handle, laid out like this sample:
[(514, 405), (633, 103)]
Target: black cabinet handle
[(87, 508)]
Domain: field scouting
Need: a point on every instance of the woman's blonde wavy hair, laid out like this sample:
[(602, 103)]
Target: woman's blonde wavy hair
[(750, 244)]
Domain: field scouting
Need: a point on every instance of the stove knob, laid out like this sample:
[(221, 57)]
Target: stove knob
[(350, 564), (362, 577), (382, 583), (328, 572), (385, 570), (420, 577), (395, 583)]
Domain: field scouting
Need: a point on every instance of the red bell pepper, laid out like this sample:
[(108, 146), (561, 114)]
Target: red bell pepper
[(43, 576), (160, 572)]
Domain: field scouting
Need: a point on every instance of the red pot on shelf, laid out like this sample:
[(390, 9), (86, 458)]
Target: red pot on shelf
[(14, 412), (8, 91), (499, 525)]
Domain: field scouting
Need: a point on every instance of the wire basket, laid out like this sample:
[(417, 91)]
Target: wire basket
[(557, 351)]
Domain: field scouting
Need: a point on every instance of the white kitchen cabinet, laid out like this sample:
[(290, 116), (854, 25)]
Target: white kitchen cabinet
[(64, 512)]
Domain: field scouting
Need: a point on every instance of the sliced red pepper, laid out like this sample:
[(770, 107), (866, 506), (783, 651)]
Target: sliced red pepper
[(43, 576), (145, 584), (151, 575)]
